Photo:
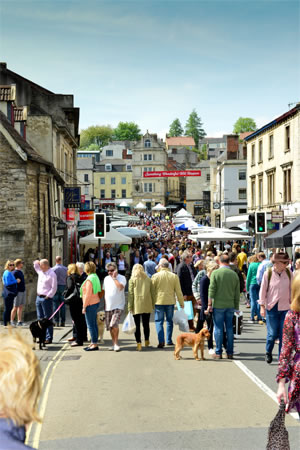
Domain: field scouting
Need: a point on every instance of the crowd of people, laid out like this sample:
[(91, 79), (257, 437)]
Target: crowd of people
[(162, 272)]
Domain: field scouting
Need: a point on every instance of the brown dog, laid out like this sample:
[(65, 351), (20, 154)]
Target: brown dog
[(192, 340)]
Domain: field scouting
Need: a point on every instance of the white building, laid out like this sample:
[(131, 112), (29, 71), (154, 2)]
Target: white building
[(85, 175)]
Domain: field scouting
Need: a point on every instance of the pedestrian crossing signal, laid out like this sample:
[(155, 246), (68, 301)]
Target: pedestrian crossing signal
[(100, 225)]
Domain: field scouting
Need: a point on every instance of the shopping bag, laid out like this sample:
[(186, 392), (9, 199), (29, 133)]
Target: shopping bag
[(278, 436), (188, 309), (129, 324), (181, 319)]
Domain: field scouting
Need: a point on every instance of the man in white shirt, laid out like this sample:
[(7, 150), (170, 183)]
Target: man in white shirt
[(114, 293)]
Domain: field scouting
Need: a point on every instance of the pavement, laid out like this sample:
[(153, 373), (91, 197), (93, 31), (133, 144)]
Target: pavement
[(147, 400)]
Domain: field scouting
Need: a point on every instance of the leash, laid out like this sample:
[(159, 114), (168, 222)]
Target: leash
[(56, 310)]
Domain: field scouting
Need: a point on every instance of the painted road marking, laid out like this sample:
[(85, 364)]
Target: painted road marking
[(261, 385), (34, 441)]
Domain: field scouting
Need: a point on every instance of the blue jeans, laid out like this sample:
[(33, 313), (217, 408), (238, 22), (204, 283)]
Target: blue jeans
[(275, 320), (254, 296), (91, 321), (223, 316), (57, 300), (160, 312), (44, 309)]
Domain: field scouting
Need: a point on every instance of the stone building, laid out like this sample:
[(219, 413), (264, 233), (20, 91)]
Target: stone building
[(149, 155)]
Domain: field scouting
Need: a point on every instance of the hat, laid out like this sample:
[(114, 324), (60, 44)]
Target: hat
[(281, 257)]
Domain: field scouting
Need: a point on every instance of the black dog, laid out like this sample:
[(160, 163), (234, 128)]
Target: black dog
[(38, 329)]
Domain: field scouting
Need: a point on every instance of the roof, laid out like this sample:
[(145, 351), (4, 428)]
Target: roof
[(245, 134), (7, 93), (274, 122), (283, 237), (180, 140), (113, 162)]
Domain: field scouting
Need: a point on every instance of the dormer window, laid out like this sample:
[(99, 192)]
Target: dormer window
[(147, 143), (108, 168), (128, 167)]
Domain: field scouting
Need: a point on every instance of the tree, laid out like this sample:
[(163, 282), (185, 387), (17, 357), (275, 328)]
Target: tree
[(175, 128), (96, 134), (193, 127), (127, 131), (244, 124)]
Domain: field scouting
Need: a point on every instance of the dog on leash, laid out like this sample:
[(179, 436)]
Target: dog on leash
[(192, 340), (38, 330), (101, 326)]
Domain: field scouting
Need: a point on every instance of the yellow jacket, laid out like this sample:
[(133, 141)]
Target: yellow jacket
[(165, 285), (242, 259), (140, 299)]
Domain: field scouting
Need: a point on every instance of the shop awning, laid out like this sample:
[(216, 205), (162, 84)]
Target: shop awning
[(283, 238)]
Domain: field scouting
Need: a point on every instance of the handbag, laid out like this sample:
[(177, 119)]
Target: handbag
[(278, 436)]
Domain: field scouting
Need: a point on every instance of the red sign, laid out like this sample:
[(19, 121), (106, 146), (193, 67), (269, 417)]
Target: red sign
[(70, 216), (82, 199), (86, 215), (173, 173)]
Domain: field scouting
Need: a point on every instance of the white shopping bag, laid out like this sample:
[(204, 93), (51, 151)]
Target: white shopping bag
[(181, 319), (129, 324)]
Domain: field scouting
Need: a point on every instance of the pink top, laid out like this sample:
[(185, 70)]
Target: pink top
[(47, 281), (88, 297), (279, 291)]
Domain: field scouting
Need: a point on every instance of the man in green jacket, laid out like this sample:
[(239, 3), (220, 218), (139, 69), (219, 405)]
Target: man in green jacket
[(165, 285), (223, 300)]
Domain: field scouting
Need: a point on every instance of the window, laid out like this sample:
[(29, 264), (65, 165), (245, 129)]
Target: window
[(271, 146), (86, 177), (198, 210), (148, 187), (123, 193), (123, 180), (242, 194), (242, 174), (102, 193), (108, 168), (102, 180), (147, 169), (253, 193), (287, 188), (208, 177), (113, 193), (147, 143), (287, 138), (128, 168), (260, 192), (112, 180), (242, 211), (271, 188), (260, 151), (109, 153), (147, 157), (253, 154), (86, 190)]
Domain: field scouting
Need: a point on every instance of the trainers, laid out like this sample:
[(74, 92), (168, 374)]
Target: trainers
[(20, 324), (13, 324), (111, 349), (211, 351), (116, 348), (269, 358)]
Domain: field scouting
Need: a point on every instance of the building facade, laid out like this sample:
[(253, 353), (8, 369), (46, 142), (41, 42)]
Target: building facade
[(274, 164), (148, 155), (85, 177)]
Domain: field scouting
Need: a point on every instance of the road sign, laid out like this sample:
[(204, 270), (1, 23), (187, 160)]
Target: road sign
[(277, 216)]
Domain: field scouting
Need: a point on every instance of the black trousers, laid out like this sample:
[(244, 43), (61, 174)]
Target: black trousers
[(210, 326), (8, 306), (145, 320), (79, 322)]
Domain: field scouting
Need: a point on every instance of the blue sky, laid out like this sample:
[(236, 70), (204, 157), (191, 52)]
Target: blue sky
[(152, 61)]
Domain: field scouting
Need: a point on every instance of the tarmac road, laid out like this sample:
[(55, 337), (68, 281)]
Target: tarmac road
[(147, 400)]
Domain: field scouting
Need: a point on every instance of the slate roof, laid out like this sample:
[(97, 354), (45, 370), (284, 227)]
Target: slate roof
[(180, 140)]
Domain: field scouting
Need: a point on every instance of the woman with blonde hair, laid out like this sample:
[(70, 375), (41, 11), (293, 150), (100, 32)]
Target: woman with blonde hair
[(289, 362), (20, 387), (10, 290), (72, 298), (90, 294), (140, 303)]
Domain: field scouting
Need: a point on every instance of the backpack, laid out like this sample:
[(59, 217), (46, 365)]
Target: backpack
[(288, 272)]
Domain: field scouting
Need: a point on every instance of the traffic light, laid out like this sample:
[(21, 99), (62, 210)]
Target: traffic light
[(260, 223), (251, 221), (107, 224), (100, 225)]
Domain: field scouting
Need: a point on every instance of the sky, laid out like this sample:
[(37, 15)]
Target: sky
[(151, 61)]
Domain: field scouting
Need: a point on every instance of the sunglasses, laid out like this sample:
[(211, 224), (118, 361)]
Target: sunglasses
[(110, 271), (11, 265)]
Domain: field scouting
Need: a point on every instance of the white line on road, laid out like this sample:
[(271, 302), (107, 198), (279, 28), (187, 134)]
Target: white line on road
[(261, 385)]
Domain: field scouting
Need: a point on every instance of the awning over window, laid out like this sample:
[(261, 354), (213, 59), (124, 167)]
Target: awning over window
[(283, 237)]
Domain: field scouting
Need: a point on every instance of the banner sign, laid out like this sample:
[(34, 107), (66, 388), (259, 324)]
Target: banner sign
[(86, 215), (70, 214), (173, 173), (72, 197)]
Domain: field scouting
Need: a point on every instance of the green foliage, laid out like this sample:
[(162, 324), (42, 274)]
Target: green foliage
[(96, 134), (92, 147), (193, 127), (175, 128), (203, 152), (244, 124), (127, 131)]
